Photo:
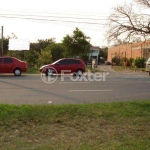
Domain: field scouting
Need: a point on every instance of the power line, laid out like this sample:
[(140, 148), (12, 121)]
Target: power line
[(60, 22), (61, 12), (54, 17), (94, 29), (58, 16), (53, 20), (62, 17)]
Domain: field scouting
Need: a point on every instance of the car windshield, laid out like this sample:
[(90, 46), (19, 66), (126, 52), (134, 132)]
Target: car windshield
[(56, 62)]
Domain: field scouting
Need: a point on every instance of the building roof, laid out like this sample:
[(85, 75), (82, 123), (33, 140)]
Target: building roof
[(95, 48)]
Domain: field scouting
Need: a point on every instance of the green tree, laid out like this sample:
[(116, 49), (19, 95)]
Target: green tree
[(103, 54), (32, 58), (5, 46), (116, 60), (57, 51), (76, 45), (41, 44), (45, 57), (36, 52), (139, 62)]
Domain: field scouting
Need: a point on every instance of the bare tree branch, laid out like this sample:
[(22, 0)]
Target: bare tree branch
[(145, 3), (125, 23)]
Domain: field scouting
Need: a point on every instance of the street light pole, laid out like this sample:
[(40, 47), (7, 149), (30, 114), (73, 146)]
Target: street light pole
[(2, 40)]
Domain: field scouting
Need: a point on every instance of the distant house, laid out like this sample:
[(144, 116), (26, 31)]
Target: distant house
[(94, 53)]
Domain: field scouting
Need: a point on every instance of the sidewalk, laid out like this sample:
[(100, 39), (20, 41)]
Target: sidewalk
[(105, 68), (108, 68)]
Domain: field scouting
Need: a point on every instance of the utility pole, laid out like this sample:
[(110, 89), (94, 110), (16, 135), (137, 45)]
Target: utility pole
[(2, 41), (125, 58)]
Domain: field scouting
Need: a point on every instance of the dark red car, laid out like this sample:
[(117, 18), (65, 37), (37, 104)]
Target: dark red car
[(64, 66), (12, 65)]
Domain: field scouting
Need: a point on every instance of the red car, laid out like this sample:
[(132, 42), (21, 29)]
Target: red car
[(64, 66), (12, 65)]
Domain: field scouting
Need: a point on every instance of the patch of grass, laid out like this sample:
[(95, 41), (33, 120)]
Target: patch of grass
[(99, 126), (33, 71), (123, 68), (88, 68), (138, 69), (117, 68), (36, 70)]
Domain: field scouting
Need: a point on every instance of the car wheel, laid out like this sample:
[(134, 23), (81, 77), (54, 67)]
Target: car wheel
[(49, 72), (79, 72), (17, 72)]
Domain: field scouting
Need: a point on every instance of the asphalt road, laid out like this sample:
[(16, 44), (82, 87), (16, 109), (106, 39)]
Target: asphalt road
[(31, 89)]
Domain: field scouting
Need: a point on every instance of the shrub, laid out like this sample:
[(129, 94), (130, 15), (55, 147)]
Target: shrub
[(139, 62), (116, 60)]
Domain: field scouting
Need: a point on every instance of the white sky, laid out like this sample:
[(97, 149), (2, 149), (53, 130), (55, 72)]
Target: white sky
[(60, 12)]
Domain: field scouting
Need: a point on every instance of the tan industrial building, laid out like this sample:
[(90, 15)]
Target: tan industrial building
[(130, 50)]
